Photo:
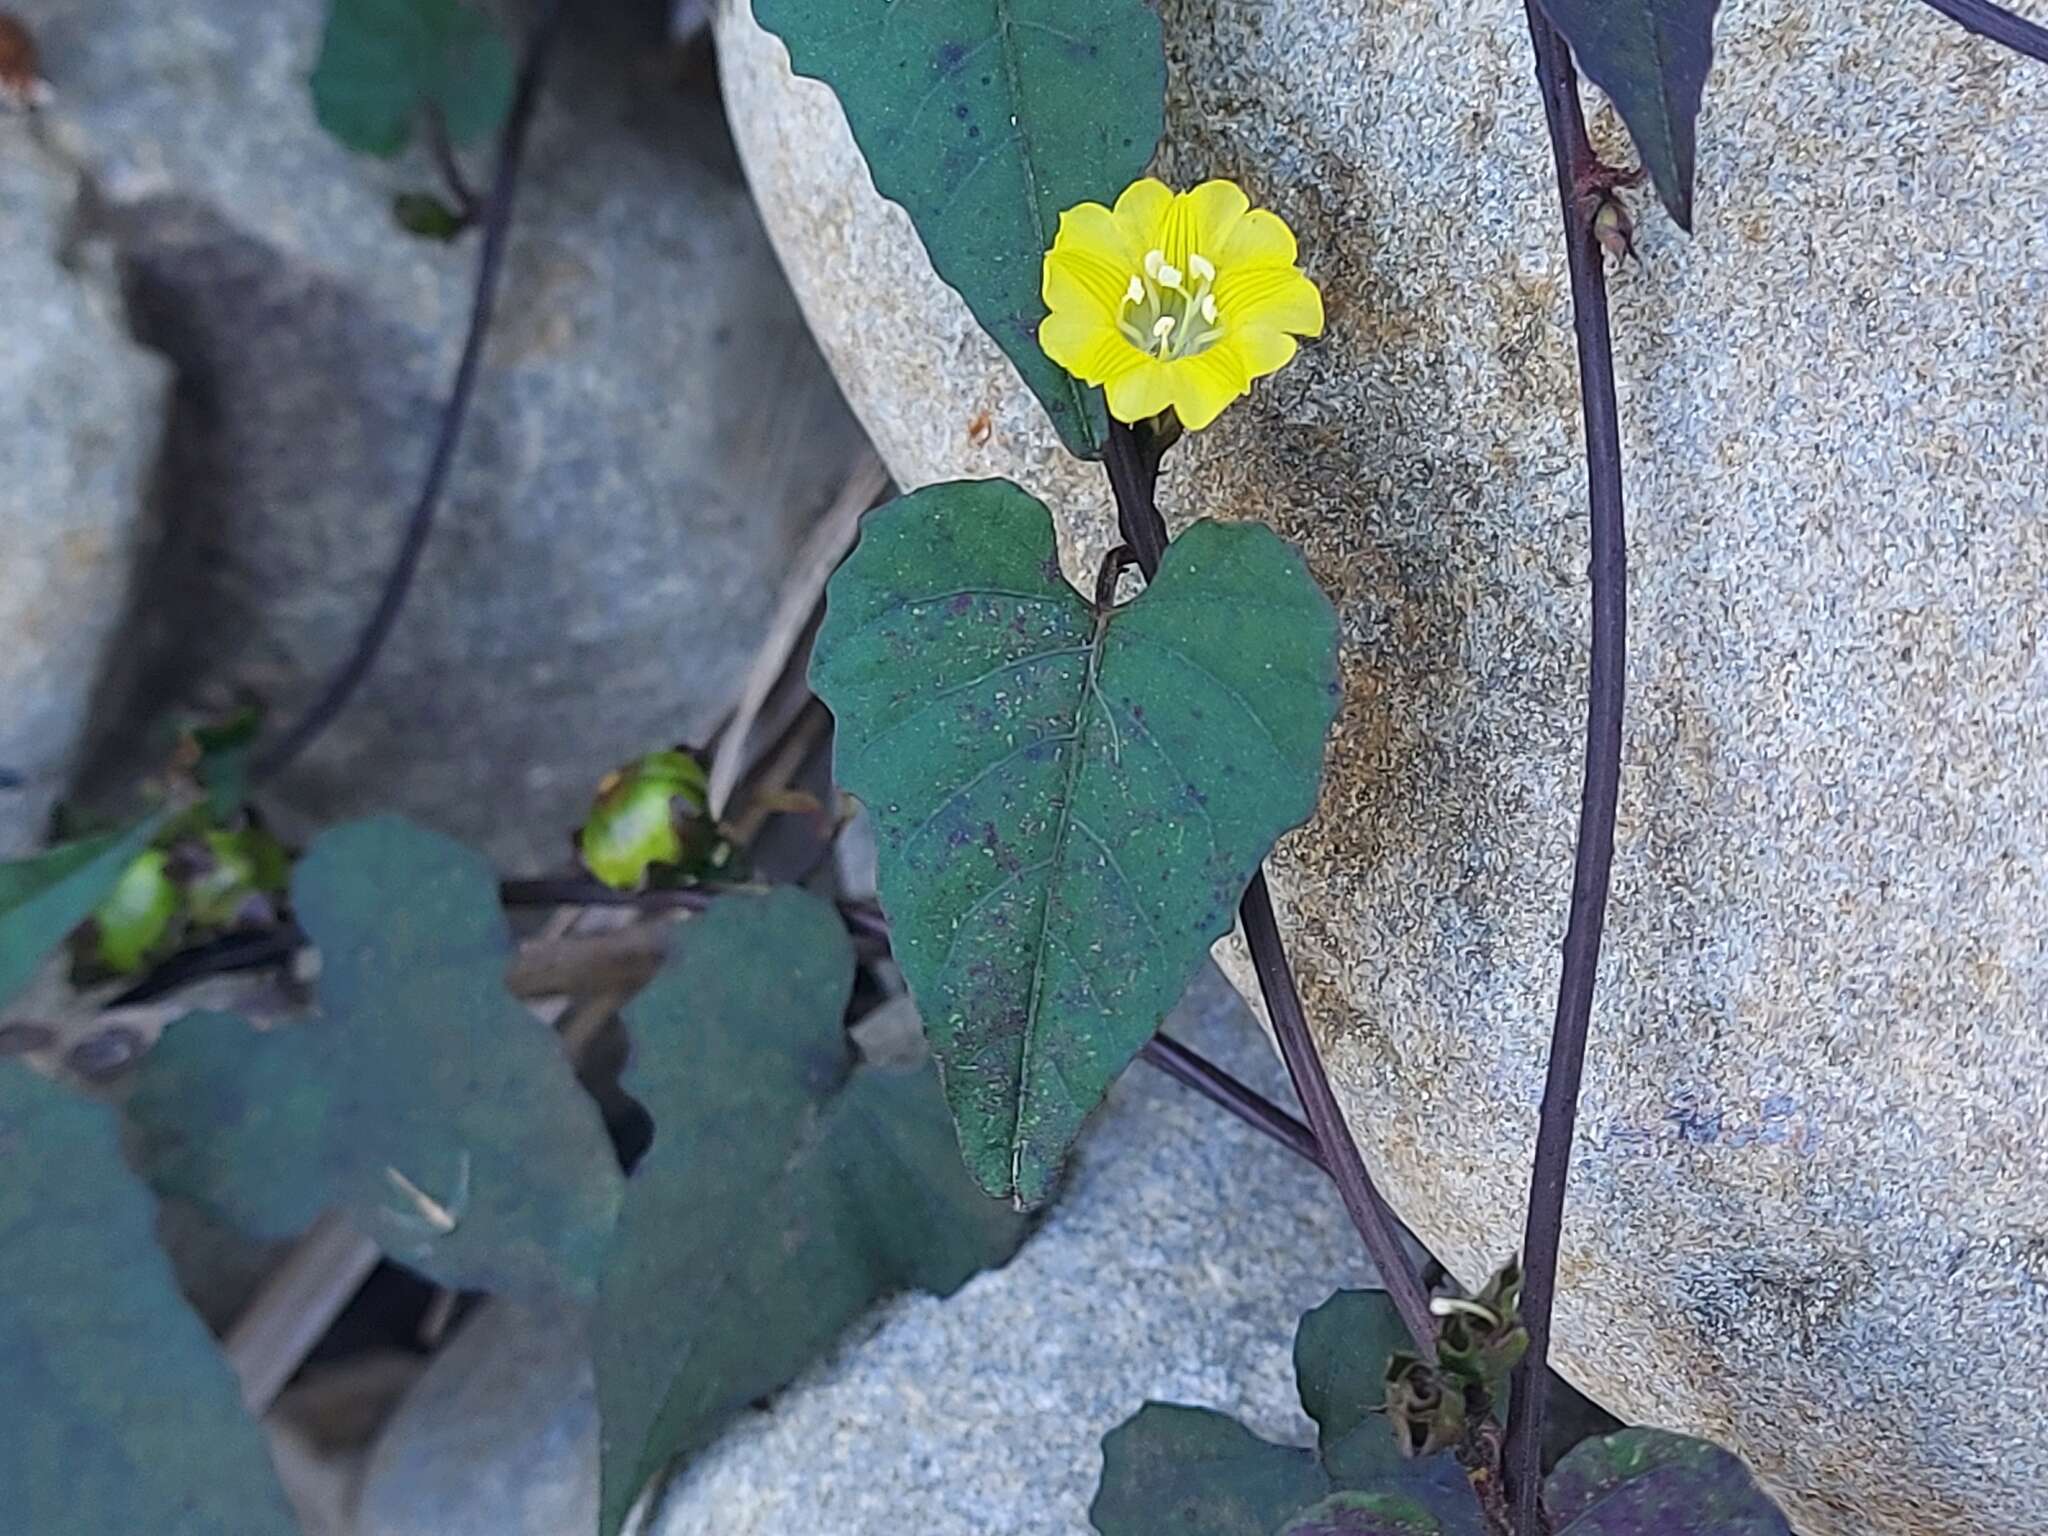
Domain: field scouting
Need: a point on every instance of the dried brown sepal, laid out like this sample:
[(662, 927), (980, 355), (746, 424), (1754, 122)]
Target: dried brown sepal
[(1426, 1406), (1615, 230)]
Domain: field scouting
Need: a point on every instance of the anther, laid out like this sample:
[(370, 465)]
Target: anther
[(1201, 266), (1135, 294), (1208, 305)]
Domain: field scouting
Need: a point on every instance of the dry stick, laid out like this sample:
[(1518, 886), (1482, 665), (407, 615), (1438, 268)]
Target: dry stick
[(1522, 1454), (490, 267), (1998, 24), (863, 919), (777, 771), (1133, 475), (823, 548), (296, 1306)]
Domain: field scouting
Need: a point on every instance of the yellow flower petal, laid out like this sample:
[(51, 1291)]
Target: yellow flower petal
[(1143, 392), (1260, 349), (1084, 282), (1141, 211), (1269, 295), (1259, 237), (1093, 228), (1090, 262), (1202, 220), (1087, 347), (1205, 384)]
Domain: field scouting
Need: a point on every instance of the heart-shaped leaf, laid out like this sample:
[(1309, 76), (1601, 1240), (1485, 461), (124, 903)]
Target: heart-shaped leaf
[(384, 63), (424, 1098), (1068, 803), (43, 898), (986, 119), (1201, 1473), (119, 1414), (1651, 57), (785, 1192), (1645, 1482)]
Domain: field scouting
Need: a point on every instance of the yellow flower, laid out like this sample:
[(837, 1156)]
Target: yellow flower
[(1175, 299)]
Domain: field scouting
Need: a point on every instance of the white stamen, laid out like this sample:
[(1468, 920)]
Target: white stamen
[(1163, 327), (1135, 294), (1154, 260), (1169, 276), (1201, 267), (1209, 306)]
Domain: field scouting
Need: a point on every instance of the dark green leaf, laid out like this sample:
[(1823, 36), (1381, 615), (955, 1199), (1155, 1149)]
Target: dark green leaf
[(385, 62), (1193, 1471), (1069, 806), (784, 1193), (425, 215), (986, 119), (119, 1414), (424, 1098), (43, 898), (1197, 1472), (1570, 1418), (1364, 1514), (1341, 1352), (1651, 57), (225, 748), (1645, 1482)]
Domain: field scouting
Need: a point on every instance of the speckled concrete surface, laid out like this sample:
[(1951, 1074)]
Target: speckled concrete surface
[(1810, 1214)]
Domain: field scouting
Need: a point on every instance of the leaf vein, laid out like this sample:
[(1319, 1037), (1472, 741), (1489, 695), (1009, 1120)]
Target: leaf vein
[(987, 896), (1016, 664), (965, 789), (1130, 886), (1228, 691)]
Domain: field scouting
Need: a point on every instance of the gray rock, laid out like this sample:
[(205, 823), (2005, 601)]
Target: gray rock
[(652, 431), (498, 1438), (81, 414), (1175, 1266), (1810, 1192)]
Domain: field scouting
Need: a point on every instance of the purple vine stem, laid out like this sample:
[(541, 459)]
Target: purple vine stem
[(1998, 24), (1577, 167), (497, 216)]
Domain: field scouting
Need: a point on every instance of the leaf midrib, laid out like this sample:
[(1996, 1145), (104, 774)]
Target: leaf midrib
[(1065, 824)]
